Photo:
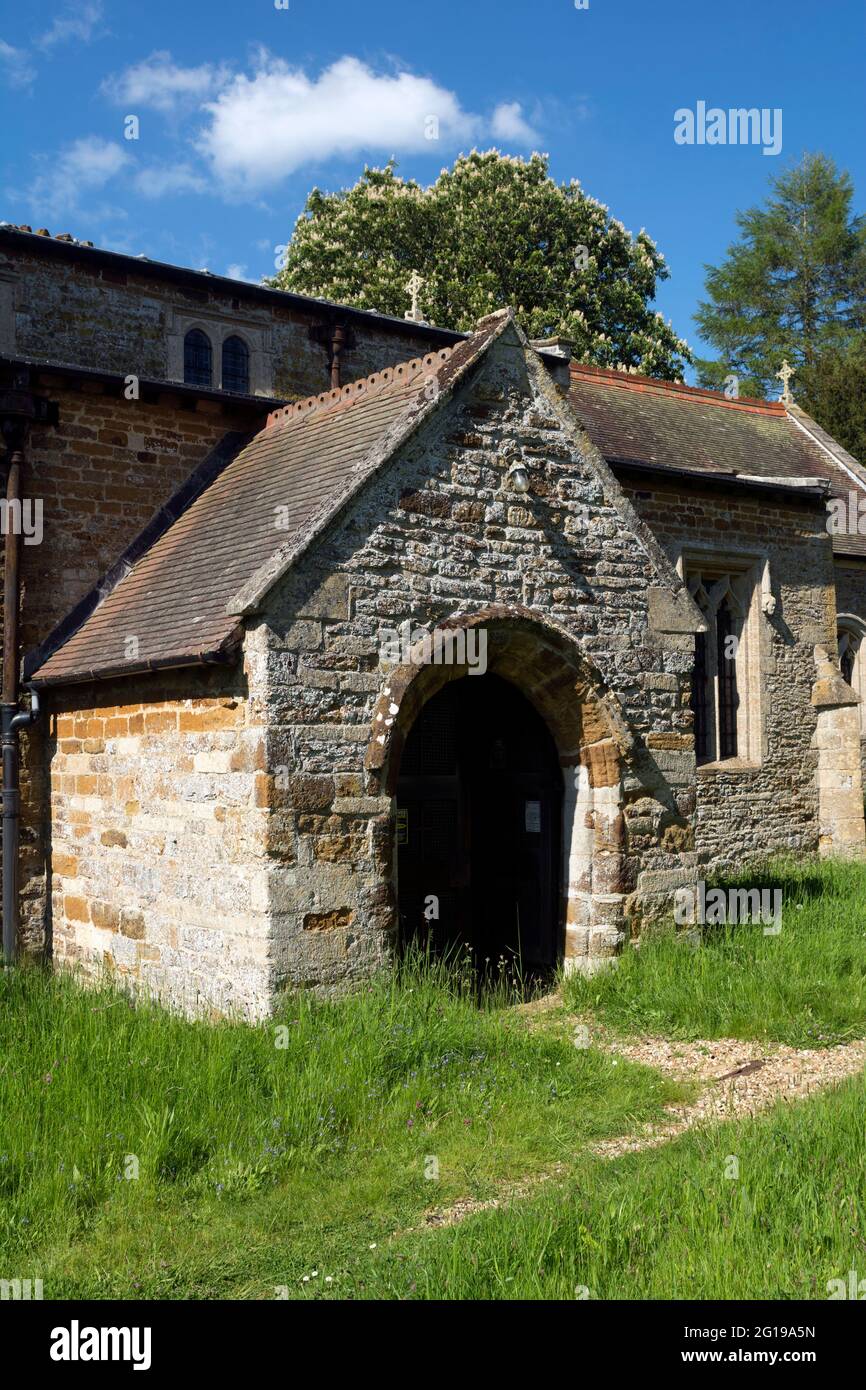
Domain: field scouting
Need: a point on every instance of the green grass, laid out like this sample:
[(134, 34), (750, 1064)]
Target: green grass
[(666, 1223), (805, 987), (239, 1143), (302, 1166)]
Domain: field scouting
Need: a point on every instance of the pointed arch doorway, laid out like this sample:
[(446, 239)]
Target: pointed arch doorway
[(479, 827)]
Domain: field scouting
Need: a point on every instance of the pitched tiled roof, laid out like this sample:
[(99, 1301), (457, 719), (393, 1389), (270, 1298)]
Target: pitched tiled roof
[(180, 601), (638, 420)]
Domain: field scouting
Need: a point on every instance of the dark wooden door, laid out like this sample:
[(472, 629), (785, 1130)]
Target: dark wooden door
[(479, 826)]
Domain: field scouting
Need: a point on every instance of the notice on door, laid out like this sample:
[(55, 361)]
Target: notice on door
[(532, 817)]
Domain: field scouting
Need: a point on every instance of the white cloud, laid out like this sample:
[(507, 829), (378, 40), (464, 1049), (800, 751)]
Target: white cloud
[(157, 180), (159, 83), (77, 22), (508, 124), (237, 272), (85, 166), (17, 69), (264, 127)]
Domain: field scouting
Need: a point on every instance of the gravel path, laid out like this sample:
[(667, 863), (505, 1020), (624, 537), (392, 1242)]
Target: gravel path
[(736, 1078)]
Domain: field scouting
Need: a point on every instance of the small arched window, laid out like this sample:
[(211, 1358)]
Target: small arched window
[(852, 636), (849, 651), (236, 365), (723, 597), (197, 359)]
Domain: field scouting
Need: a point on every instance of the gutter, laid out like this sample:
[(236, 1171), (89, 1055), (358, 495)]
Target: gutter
[(221, 656), (146, 384), (817, 489)]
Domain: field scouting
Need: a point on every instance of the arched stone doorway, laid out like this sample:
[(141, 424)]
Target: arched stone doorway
[(479, 809), (581, 745)]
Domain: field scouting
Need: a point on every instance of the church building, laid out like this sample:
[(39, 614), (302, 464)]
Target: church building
[(340, 632)]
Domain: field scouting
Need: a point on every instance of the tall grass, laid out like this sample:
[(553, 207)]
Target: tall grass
[(110, 1109), (142, 1155), (771, 1208), (805, 987)]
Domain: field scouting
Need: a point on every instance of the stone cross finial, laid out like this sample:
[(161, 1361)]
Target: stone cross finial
[(415, 286), (785, 377)]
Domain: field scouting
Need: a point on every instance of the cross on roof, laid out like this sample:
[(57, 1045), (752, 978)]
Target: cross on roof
[(415, 286), (785, 377)]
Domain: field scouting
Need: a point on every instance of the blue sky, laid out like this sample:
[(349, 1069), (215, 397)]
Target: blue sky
[(243, 107)]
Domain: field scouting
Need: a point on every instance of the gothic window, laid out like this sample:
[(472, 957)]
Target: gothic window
[(847, 655), (700, 701), (236, 365), (720, 669), (851, 659), (727, 638), (197, 359)]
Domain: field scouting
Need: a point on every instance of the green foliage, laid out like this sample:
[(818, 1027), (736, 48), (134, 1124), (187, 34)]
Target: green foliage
[(304, 1166), (493, 231), (833, 391), (805, 987), (793, 286), (667, 1223), (120, 1124)]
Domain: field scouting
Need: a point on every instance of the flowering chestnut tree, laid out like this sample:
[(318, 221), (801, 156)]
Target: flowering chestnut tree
[(492, 231)]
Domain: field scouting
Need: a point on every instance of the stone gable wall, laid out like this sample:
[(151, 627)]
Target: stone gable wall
[(157, 840), (750, 812), (436, 535)]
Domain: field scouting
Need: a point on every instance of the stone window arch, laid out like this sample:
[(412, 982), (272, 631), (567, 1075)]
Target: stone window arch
[(716, 696), (241, 351), (851, 632), (197, 358), (235, 364), (725, 684)]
